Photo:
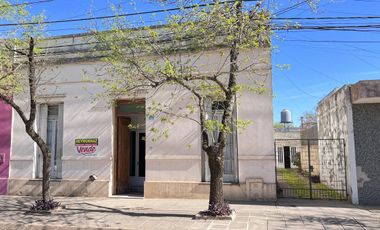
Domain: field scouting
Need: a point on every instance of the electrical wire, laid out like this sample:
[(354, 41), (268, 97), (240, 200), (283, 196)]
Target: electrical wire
[(285, 10), (329, 18), (333, 41), (26, 3), (112, 16)]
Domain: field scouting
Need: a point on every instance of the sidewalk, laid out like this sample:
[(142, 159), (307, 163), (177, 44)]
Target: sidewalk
[(138, 213)]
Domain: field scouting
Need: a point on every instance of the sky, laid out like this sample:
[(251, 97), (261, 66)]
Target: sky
[(318, 61)]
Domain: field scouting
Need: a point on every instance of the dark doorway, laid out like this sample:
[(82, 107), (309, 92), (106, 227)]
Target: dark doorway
[(137, 161), (141, 155), (287, 157)]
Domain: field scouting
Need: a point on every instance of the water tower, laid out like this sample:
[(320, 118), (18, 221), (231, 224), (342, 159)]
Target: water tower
[(286, 118)]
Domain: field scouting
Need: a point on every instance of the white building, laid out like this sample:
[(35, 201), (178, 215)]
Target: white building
[(89, 138)]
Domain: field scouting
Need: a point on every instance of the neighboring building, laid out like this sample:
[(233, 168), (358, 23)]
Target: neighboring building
[(352, 113), (5, 144), (288, 147), (93, 139)]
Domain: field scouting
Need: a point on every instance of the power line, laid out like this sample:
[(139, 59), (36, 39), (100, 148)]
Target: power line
[(351, 28), (331, 41), (98, 10), (290, 40), (372, 1), (113, 16), (285, 10), (322, 27), (316, 70), (299, 88), (26, 3), (329, 18), (339, 49), (188, 7)]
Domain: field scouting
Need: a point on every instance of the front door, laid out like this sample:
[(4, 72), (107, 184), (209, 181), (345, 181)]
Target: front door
[(122, 155), (287, 157)]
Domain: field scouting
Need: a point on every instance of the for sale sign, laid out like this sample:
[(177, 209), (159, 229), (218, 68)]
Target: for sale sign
[(87, 146)]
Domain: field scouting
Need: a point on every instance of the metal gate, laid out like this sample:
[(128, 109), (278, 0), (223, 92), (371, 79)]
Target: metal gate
[(311, 168)]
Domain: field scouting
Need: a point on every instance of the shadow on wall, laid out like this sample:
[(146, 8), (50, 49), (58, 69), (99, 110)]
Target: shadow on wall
[(85, 166), (82, 188), (183, 145)]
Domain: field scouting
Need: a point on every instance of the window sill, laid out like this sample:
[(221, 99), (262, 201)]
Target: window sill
[(224, 183)]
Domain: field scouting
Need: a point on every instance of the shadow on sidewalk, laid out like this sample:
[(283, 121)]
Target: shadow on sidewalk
[(136, 212), (327, 221)]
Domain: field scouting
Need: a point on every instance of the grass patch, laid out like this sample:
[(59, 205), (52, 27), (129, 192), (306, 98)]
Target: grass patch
[(295, 185)]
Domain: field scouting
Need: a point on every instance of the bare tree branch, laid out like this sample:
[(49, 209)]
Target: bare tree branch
[(15, 50)]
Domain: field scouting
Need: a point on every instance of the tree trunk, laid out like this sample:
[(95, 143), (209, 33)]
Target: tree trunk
[(46, 161), (46, 154), (46, 171), (216, 164)]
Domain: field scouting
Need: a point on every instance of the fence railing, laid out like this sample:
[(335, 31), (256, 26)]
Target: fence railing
[(311, 168)]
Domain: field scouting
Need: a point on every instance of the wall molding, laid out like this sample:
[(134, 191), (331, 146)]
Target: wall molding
[(19, 158), (256, 157), (82, 158), (174, 157)]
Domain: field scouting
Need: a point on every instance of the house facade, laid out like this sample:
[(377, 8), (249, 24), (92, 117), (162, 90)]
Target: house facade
[(288, 147), (102, 150), (351, 113)]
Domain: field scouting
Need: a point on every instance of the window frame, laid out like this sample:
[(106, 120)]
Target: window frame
[(42, 128), (210, 107)]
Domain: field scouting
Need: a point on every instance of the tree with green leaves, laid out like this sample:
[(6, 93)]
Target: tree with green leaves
[(308, 119), (279, 125), (165, 56), (20, 74)]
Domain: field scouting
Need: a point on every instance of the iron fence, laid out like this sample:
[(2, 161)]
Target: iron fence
[(311, 168)]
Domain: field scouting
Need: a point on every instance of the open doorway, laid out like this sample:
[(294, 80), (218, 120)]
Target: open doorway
[(287, 157), (129, 160)]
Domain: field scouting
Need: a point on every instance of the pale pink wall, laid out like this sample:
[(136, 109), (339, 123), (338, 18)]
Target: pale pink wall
[(5, 144)]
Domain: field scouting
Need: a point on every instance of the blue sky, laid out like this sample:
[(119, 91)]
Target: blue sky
[(316, 68)]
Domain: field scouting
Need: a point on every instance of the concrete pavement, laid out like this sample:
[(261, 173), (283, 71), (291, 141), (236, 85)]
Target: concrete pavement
[(138, 213)]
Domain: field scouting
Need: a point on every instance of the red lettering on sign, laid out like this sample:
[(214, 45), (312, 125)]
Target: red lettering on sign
[(86, 149)]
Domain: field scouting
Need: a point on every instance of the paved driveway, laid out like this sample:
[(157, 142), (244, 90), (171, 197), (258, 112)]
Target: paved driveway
[(138, 213)]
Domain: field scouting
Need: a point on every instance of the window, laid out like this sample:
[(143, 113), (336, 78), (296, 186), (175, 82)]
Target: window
[(51, 130), (280, 155), (215, 112)]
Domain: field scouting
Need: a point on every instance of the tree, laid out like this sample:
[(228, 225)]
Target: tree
[(280, 125), (154, 57), (20, 75), (309, 119)]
